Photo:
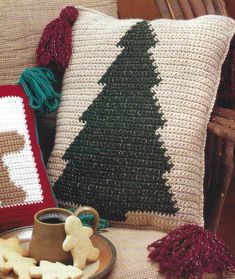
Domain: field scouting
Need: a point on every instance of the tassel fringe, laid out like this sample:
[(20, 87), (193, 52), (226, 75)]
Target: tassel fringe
[(190, 251), (55, 45)]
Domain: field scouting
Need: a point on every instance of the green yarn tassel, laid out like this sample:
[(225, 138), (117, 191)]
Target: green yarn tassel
[(88, 220), (37, 83)]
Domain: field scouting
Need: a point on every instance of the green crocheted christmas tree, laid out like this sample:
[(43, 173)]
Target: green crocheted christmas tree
[(117, 163)]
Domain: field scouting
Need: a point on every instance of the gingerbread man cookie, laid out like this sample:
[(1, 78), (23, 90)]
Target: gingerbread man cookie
[(48, 270), (20, 265), (10, 244), (78, 242)]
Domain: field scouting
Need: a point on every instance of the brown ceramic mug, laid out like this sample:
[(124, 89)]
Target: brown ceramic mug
[(49, 233)]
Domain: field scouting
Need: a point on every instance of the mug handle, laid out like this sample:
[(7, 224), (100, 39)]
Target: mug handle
[(88, 209)]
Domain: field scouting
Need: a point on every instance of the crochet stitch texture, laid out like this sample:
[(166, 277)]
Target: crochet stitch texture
[(131, 126)]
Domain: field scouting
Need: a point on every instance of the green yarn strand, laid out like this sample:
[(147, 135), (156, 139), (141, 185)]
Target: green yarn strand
[(37, 83)]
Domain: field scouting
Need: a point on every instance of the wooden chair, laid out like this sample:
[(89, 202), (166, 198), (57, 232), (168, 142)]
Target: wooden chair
[(221, 129), (174, 9)]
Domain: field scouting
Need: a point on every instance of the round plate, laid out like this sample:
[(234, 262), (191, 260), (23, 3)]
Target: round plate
[(95, 270)]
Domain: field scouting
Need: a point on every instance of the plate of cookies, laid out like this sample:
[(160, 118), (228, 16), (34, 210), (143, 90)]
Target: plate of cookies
[(57, 246)]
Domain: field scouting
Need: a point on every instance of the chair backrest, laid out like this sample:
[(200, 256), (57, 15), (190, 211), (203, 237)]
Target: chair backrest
[(175, 9)]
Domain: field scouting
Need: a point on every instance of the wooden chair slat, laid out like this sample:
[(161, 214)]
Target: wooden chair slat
[(146, 9), (174, 8), (210, 9), (220, 7), (198, 7), (186, 9), (225, 174), (217, 7), (209, 157), (212, 194), (230, 7), (223, 8), (163, 8)]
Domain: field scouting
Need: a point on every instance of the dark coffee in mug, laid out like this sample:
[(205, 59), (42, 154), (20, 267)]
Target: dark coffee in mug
[(52, 218)]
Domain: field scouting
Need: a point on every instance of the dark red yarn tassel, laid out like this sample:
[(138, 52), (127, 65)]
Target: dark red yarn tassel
[(55, 45), (190, 251)]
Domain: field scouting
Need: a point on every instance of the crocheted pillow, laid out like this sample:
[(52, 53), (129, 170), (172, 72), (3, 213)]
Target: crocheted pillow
[(24, 186), (131, 127)]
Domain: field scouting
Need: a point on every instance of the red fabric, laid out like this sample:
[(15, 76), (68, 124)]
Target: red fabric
[(190, 251), (55, 45), (22, 215)]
